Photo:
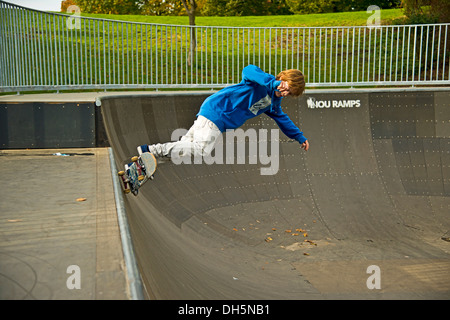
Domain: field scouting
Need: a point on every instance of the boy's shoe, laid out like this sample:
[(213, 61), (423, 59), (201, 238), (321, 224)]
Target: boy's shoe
[(142, 149)]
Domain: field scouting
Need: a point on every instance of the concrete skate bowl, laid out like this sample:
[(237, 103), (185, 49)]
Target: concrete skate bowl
[(363, 214)]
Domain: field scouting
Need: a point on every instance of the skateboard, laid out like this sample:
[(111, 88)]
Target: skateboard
[(138, 172)]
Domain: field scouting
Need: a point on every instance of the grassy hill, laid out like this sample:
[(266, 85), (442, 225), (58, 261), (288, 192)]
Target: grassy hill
[(166, 57), (357, 18)]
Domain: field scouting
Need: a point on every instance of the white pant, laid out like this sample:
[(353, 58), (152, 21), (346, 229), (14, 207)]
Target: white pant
[(198, 141)]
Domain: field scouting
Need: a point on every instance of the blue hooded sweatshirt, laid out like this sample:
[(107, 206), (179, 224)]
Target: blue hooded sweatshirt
[(230, 107)]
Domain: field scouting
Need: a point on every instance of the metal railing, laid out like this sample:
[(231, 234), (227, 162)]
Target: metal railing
[(47, 51)]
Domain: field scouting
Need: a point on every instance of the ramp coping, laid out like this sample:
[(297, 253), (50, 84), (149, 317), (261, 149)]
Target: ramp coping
[(133, 275)]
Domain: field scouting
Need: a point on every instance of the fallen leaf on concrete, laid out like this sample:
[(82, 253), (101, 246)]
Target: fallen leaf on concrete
[(310, 242)]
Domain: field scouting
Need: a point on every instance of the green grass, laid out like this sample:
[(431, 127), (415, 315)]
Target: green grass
[(358, 18), (280, 50)]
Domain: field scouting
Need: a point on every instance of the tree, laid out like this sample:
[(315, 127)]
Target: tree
[(426, 11), (108, 6), (278, 7), (160, 8), (66, 4), (306, 6), (441, 10), (244, 7), (191, 8), (321, 6), (214, 8)]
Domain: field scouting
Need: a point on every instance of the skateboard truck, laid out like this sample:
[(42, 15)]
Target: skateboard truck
[(136, 173), (125, 181), (139, 168)]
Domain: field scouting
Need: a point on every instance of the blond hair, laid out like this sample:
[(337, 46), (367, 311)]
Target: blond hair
[(295, 79)]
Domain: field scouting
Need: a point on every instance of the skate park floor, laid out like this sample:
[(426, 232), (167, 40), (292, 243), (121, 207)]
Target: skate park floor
[(57, 210)]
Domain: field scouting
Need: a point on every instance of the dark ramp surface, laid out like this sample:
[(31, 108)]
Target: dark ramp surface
[(374, 189)]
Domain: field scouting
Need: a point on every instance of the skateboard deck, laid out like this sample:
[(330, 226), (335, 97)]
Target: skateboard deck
[(137, 173)]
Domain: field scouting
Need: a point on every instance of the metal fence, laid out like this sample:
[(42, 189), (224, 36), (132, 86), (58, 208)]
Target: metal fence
[(46, 51)]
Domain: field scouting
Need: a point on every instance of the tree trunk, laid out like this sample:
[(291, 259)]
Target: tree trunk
[(191, 13)]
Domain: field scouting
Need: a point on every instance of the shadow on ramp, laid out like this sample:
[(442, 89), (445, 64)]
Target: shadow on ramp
[(374, 190)]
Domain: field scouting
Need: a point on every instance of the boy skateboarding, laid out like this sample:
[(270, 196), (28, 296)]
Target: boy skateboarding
[(231, 107)]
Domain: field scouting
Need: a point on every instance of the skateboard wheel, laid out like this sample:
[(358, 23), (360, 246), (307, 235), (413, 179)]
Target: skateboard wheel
[(140, 178), (152, 177), (121, 173), (134, 159)]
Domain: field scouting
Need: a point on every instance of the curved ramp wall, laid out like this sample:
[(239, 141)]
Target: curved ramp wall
[(374, 189)]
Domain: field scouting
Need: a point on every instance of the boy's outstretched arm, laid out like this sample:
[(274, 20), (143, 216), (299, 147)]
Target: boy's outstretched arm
[(289, 128)]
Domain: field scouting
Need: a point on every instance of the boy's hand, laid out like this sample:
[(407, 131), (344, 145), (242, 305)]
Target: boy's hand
[(305, 145)]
